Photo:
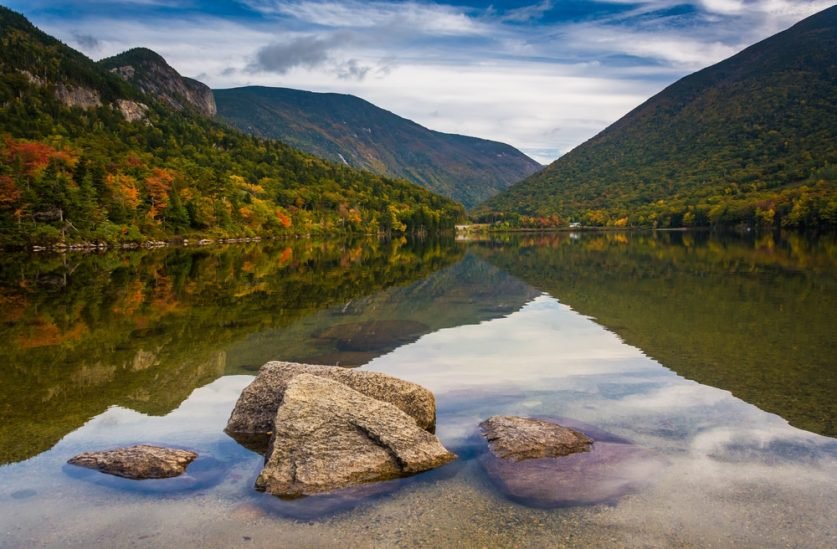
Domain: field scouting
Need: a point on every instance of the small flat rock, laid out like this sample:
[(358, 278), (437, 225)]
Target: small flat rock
[(255, 411), (137, 462), (571, 469), (329, 436), (519, 438)]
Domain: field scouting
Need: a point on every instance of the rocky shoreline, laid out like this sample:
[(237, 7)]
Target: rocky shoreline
[(148, 244)]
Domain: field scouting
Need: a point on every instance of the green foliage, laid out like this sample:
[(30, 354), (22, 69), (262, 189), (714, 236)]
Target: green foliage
[(751, 140), (346, 128), (75, 174)]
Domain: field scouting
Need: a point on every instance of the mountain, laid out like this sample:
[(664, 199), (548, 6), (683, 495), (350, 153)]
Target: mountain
[(86, 156), (149, 72), (344, 128), (750, 140)]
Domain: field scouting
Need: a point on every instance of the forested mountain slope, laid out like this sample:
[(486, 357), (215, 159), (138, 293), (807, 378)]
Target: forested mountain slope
[(87, 156), (750, 140)]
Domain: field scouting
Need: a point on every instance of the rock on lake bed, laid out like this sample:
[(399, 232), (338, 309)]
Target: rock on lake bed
[(142, 461), (519, 438), (566, 470)]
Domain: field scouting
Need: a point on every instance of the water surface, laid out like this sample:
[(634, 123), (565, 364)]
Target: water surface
[(714, 353)]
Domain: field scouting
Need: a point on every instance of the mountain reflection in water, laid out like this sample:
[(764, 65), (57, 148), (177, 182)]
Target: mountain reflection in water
[(689, 346), (754, 316)]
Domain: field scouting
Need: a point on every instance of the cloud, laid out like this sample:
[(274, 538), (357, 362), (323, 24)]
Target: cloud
[(87, 42), (305, 51), (676, 48), (425, 18), (353, 70), (528, 13), (776, 7), (386, 65)]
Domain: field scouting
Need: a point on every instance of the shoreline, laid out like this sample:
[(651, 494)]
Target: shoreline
[(151, 244)]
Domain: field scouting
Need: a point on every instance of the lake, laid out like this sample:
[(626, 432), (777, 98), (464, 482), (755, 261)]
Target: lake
[(714, 353)]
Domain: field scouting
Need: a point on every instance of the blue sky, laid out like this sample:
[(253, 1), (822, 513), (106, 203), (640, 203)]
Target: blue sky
[(543, 76)]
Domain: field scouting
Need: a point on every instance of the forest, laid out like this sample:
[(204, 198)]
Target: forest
[(751, 141), (75, 169)]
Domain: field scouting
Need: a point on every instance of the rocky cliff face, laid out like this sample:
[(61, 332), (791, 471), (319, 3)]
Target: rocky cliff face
[(78, 96), (69, 95), (150, 72)]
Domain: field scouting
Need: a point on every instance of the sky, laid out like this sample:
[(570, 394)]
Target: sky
[(543, 76)]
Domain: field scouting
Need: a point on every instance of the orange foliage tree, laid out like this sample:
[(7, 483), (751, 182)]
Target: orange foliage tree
[(158, 185)]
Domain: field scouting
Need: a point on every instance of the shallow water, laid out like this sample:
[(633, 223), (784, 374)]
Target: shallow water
[(491, 327)]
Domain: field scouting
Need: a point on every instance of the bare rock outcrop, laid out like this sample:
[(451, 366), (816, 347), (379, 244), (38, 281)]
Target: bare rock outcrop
[(70, 96), (34, 79), (154, 76), (137, 462), (132, 111), (78, 96), (329, 436), (255, 411)]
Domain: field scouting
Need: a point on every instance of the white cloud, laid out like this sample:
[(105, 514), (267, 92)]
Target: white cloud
[(528, 13), (677, 49), (434, 19), (789, 8), (542, 87)]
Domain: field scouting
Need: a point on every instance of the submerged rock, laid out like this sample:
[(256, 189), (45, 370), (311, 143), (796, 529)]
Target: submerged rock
[(137, 462), (329, 436), (570, 469), (204, 472), (519, 438), (255, 411)]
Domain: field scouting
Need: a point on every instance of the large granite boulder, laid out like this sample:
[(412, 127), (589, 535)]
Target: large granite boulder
[(137, 462), (570, 468), (329, 436), (255, 411)]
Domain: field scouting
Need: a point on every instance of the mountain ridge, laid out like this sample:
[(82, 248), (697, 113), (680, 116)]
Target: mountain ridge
[(349, 129)]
